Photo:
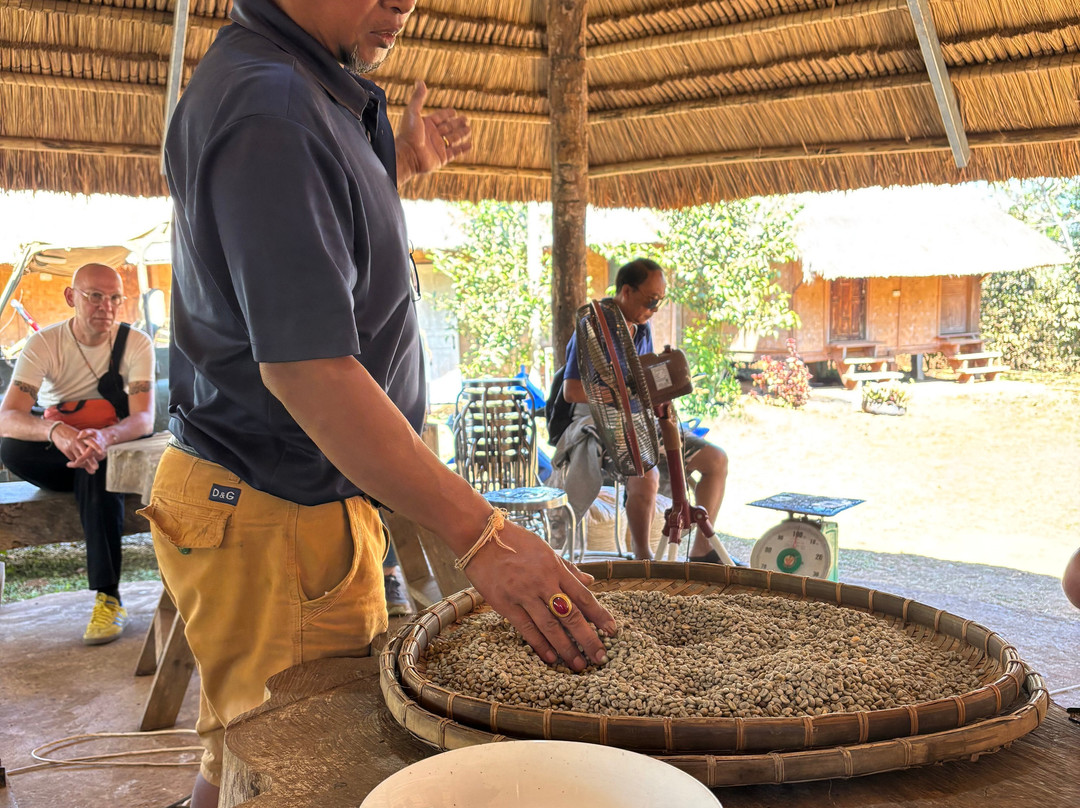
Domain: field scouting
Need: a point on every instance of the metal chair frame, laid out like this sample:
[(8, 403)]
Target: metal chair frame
[(495, 450)]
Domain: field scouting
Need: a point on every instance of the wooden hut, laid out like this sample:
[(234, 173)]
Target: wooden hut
[(888, 272)]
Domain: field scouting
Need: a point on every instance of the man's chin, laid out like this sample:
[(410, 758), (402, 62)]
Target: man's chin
[(355, 64)]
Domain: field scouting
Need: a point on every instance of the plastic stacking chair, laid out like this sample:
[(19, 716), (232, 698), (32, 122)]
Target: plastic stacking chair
[(495, 450)]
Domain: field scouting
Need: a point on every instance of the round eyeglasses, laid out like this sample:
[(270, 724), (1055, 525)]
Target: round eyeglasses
[(99, 298)]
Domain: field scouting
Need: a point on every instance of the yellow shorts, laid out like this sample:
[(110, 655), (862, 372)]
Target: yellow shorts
[(262, 583)]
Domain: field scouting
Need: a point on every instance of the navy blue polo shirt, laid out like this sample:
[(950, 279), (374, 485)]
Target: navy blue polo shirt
[(289, 244), (642, 342)]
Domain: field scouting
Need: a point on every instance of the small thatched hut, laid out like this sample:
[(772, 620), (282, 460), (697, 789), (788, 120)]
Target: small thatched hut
[(886, 272)]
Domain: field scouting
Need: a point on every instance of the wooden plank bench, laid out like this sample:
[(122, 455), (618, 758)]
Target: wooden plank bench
[(851, 380), (31, 517), (962, 361), (968, 374)]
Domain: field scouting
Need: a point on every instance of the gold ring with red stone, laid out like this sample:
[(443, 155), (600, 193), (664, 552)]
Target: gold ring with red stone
[(560, 605)]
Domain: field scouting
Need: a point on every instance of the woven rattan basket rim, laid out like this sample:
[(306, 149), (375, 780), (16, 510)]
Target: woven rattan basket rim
[(694, 735), (744, 769)]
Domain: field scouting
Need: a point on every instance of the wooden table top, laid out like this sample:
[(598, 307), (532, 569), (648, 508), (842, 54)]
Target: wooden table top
[(326, 739), (132, 465)]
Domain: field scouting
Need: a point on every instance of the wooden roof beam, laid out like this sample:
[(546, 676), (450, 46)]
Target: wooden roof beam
[(870, 148), (39, 144), (944, 94), (1068, 134), (767, 25)]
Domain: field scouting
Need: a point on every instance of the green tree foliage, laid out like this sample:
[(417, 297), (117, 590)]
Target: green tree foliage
[(501, 313), (1033, 316), (722, 260)]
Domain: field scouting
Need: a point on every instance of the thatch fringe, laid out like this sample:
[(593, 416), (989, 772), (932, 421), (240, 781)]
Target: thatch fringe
[(765, 96)]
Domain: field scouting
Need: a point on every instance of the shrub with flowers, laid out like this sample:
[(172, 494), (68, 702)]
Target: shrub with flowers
[(891, 397), (783, 382)]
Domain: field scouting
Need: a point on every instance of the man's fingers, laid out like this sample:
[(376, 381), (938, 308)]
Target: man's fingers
[(566, 634), (521, 620), (416, 100), (584, 577), (453, 129)]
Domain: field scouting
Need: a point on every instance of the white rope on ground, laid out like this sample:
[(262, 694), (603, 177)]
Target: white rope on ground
[(41, 753), (1061, 690)]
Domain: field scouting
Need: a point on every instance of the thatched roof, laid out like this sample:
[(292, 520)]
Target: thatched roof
[(689, 100), (915, 232)]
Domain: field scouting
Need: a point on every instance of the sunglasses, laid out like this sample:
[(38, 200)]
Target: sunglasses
[(653, 303)]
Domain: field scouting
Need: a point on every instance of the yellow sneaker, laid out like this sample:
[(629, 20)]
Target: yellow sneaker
[(106, 622)]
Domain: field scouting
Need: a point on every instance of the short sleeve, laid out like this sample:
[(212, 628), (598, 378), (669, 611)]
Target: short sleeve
[(32, 366), (284, 213), (138, 358), (572, 371), (645, 345)]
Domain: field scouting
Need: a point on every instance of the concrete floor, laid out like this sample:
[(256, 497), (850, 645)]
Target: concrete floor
[(52, 686)]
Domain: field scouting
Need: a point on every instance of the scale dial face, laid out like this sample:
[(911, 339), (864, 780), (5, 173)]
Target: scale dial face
[(795, 547)]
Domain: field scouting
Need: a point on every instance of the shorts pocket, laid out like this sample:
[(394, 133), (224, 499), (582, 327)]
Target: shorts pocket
[(194, 527)]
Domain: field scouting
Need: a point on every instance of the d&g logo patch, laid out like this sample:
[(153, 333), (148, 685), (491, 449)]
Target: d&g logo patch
[(222, 493)]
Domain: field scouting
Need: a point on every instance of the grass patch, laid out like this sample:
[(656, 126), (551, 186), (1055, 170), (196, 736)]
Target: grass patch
[(33, 571)]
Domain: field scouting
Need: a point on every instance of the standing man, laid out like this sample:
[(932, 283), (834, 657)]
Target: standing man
[(640, 289), (95, 378), (297, 374)]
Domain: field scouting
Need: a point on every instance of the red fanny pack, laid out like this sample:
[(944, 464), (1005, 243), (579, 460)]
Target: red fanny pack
[(88, 413)]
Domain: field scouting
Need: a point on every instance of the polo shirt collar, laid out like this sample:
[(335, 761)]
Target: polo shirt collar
[(358, 95)]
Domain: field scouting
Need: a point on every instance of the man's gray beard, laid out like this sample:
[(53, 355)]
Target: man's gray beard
[(354, 65)]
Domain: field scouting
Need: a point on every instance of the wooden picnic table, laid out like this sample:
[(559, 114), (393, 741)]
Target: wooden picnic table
[(326, 739)]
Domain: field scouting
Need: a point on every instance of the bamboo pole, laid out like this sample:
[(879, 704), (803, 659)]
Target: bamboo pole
[(35, 144), (569, 97), (823, 151), (944, 94)]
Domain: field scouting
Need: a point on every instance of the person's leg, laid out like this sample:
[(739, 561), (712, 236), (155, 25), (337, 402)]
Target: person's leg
[(711, 463), (262, 584), (205, 794), (45, 466), (397, 593), (40, 464), (640, 508), (102, 516)]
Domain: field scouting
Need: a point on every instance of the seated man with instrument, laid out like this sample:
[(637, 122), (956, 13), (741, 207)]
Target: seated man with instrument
[(95, 378), (640, 288)]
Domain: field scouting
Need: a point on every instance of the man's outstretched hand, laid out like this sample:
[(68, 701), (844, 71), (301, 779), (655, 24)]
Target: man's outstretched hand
[(518, 586), (428, 142)]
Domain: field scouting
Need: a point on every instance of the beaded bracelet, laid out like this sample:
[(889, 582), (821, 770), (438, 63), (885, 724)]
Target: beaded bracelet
[(491, 532)]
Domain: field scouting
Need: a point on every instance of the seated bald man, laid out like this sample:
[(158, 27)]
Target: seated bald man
[(95, 378), (640, 288)]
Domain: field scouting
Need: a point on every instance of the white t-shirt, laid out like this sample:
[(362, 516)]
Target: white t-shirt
[(51, 361)]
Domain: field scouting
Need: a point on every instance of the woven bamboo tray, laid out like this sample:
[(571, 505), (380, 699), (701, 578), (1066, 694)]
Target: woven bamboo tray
[(963, 743), (1002, 685)]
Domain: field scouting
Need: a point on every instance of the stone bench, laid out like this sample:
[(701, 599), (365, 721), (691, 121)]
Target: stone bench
[(30, 516)]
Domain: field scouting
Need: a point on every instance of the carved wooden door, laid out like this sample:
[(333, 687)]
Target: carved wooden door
[(847, 309), (955, 305)]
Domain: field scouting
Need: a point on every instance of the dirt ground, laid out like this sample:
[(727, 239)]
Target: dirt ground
[(987, 473)]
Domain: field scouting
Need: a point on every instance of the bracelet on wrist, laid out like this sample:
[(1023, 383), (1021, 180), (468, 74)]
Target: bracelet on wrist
[(53, 429), (491, 532)]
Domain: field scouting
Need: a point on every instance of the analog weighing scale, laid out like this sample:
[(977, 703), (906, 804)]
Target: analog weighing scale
[(804, 543)]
